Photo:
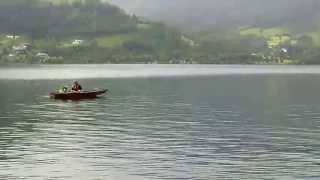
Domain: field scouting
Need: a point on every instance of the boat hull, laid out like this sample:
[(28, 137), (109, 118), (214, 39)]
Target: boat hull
[(78, 95)]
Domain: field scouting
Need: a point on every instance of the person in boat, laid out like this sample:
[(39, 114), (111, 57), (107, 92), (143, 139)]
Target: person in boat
[(76, 86)]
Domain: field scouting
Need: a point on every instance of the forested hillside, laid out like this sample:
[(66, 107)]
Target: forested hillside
[(285, 31), (94, 31), (82, 31), (299, 15), (49, 18)]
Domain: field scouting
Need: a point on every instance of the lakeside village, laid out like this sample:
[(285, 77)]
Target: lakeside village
[(279, 47), (19, 49)]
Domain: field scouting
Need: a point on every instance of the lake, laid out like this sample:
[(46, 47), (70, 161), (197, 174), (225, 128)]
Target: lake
[(161, 122)]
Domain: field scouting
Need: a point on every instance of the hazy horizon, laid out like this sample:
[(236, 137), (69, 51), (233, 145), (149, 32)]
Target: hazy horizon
[(203, 14)]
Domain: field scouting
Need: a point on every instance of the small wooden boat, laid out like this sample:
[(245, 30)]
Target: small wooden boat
[(78, 95)]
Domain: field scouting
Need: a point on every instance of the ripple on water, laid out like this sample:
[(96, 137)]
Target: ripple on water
[(149, 136)]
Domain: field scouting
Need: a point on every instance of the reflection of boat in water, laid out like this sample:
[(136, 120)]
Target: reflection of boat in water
[(78, 95)]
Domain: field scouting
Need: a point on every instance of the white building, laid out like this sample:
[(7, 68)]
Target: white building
[(12, 37), (77, 42)]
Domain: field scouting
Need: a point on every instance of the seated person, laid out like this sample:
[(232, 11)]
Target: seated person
[(76, 86)]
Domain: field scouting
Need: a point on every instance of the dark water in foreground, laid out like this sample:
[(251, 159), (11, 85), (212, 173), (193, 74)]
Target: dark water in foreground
[(216, 127)]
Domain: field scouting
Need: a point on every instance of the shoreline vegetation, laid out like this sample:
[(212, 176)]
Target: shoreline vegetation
[(91, 31)]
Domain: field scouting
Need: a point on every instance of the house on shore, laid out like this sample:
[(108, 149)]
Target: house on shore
[(14, 37), (22, 48), (43, 57), (77, 42)]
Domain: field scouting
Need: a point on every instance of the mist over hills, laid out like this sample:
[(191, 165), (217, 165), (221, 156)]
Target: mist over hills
[(217, 14)]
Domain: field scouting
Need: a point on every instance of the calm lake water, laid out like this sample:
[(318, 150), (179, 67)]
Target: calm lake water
[(161, 122)]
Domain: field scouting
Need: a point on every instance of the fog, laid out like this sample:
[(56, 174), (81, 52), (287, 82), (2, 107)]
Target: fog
[(205, 14)]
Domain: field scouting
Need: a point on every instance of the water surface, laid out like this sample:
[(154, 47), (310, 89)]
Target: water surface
[(93, 71), (226, 125)]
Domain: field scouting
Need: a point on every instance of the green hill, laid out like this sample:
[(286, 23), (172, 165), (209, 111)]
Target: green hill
[(93, 31), (45, 18), (83, 31)]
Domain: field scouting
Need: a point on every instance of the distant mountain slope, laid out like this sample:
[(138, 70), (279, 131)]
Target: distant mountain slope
[(217, 14)]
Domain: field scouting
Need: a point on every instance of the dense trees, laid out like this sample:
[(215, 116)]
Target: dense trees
[(51, 26), (41, 19), (108, 35)]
